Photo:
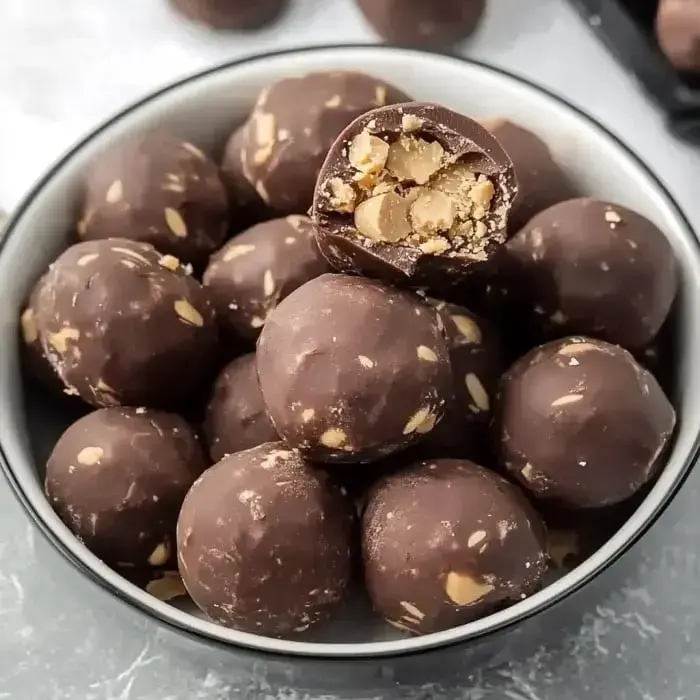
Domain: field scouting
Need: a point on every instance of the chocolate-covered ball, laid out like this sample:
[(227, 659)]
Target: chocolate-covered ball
[(246, 207), (160, 190), (446, 542), (352, 370), (582, 423), (678, 32), (36, 364), (117, 479), (264, 542), (231, 14), (591, 267), (292, 126), (413, 194), (426, 23), (541, 182), (254, 271), (235, 418), (123, 324), (476, 359)]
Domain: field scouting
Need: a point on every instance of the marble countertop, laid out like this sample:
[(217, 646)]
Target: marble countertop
[(67, 64)]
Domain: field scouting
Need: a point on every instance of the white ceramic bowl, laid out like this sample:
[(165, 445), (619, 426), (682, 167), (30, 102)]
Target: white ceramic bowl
[(203, 109)]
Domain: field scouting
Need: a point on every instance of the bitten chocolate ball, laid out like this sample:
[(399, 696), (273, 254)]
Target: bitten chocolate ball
[(236, 419), (427, 23), (231, 14), (292, 126), (36, 363), (414, 194), (476, 359), (596, 268), (122, 324), (678, 32), (541, 182), (254, 271), (117, 479), (245, 204), (582, 423), (159, 190), (352, 370), (264, 542), (446, 542)]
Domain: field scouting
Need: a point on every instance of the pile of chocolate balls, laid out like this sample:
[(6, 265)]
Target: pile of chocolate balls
[(395, 332)]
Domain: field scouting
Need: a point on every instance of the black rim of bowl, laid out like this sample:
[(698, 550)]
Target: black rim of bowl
[(48, 532)]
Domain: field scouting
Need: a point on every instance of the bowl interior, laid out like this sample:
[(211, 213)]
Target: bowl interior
[(204, 109)]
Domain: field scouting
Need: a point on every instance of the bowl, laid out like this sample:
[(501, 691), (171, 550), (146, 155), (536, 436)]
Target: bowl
[(204, 108)]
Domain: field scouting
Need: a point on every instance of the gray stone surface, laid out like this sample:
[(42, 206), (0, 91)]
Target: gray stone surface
[(65, 64)]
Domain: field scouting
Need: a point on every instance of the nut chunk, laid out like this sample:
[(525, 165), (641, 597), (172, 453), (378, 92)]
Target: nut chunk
[(445, 542), (413, 194)]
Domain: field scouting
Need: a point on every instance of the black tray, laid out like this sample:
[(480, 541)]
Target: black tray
[(627, 29)]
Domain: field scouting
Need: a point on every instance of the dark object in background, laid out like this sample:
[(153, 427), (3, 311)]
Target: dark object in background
[(426, 23), (231, 14), (678, 32), (627, 27)]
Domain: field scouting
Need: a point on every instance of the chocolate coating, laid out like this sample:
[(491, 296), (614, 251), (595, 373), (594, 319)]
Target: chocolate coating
[(254, 271), (431, 24), (160, 190), (413, 194), (245, 204), (117, 479), (236, 419), (264, 542), (446, 542), (596, 268), (678, 32), (352, 370), (582, 423), (292, 126), (476, 359), (36, 363), (231, 14), (541, 182), (122, 324)]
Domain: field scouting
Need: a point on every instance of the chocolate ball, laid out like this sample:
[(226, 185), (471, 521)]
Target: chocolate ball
[(591, 267), (159, 190), (476, 359), (582, 423), (255, 270), (122, 324), (244, 202), (292, 126), (117, 479), (231, 14), (431, 24), (236, 419), (413, 194), (541, 182), (678, 32), (264, 542), (446, 542), (36, 363), (352, 370)]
